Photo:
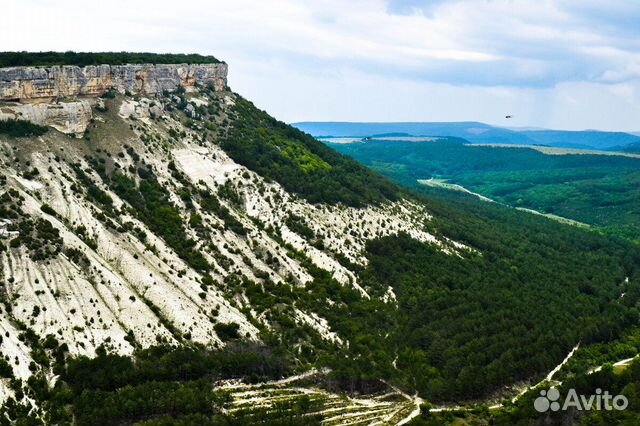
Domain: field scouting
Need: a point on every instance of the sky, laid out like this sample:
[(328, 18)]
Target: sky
[(564, 64)]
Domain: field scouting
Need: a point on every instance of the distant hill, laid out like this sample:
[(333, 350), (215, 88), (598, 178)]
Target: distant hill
[(587, 139), (472, 131), (633, 148), (477, 133)]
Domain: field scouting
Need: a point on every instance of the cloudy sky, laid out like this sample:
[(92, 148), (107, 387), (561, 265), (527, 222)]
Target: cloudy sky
[(570, 64)]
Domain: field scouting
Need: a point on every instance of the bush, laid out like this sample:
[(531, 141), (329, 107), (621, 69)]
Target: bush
[(5, 369), (227, 331), (46, 208), (21, 128), (109, 94)]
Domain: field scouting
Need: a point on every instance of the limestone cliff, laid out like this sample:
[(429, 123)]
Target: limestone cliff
[(34, 83), (71, 117), (62, 96)]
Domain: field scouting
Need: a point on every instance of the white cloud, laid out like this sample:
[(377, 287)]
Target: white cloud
[(438, 56)]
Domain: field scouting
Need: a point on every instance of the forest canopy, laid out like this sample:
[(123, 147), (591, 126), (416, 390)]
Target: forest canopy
[(300, 163), (466, 326), (22, 59)]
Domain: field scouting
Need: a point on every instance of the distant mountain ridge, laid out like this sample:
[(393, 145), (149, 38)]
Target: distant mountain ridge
[(588, 139), (632, 148), (478, 133)]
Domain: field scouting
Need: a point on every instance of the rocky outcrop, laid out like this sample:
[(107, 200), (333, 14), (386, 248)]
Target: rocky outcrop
[(67, 117), (43, 84), (62, 96)]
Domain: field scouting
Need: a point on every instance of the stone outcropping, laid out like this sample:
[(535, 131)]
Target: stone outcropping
[(62, 96), (67, 117), (43, 84)]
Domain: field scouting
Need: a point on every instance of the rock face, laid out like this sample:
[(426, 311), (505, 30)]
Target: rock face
[(67, 117), (62, 96), (43, 84)]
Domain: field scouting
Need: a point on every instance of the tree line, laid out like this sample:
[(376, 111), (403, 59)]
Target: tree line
[(23, 59)]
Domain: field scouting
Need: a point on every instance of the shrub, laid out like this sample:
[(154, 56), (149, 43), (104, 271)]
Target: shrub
[(227, 331), (5, 369), (21, 128), (46, 208)]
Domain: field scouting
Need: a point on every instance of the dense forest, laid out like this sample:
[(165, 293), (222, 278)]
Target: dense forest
[(464, 326), (623, 380), (161, 385), (599, 190), (23, 59)]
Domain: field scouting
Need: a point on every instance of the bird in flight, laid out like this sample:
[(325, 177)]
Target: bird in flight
[(508, 116)]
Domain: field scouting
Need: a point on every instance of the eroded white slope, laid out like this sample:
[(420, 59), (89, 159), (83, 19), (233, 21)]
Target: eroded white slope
[(342, 230), (132, 292), (100, 303)]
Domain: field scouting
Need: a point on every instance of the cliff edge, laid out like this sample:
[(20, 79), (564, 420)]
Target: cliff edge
[(62, 97), (47, 83)]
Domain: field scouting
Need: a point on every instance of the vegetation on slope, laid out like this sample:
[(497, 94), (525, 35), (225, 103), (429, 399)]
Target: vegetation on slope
[(463, 327), (616, 380), (21, 129), (589, 357), (20, 59), (300, 163), (36, 234), (157, 386), (151, 203), (620, 380)]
